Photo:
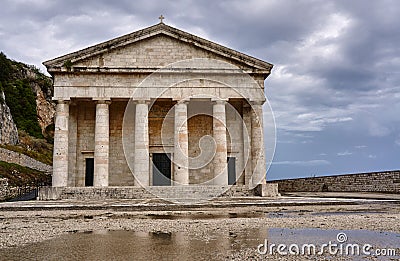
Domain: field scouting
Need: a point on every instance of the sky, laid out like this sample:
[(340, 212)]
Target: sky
[(334, 89)]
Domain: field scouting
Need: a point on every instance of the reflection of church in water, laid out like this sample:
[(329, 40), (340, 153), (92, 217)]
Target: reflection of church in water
[(121, 111)]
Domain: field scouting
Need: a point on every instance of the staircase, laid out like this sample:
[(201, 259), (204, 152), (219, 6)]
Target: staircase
[(187, 194), (177, 194)]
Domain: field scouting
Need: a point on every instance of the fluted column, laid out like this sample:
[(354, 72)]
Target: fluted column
[(257, 145), (101, 144), (219, 134), (60, 155), (181, 149), (141, 161)]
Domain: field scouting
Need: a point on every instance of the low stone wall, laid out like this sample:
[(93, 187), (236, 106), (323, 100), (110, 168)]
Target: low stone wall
[(7, 192), (101, 193), (383, 182), (3, 188), (23, 160)]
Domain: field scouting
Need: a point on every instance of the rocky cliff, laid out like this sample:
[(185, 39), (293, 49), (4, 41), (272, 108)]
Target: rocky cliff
[(26, 101), (8, 129), (41, 86)]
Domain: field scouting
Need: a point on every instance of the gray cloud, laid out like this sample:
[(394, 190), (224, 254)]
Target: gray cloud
[(336, 62)]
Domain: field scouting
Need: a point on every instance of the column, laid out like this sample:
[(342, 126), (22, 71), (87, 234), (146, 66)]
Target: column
[(60, 155), (181, 149), (141, 161), (257, 145), (219, 134), (72, 141), (101, 143), (247, 144)]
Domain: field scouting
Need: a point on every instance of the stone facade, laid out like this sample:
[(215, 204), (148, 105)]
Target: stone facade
[(120, 106), (385, 182)]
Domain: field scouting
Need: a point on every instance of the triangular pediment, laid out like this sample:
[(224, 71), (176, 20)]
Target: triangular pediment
[(152, 48)]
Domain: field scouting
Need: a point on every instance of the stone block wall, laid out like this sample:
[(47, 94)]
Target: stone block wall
[(120, 173), (23, 160), (383, 182), (102, 193), (86, 114), (152, 52)]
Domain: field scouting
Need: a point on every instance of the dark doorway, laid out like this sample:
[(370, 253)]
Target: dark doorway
[(231, 171), (161, 169), (89, 172)]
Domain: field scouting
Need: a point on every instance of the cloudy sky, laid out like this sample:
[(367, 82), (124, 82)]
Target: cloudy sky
[(334, 90)]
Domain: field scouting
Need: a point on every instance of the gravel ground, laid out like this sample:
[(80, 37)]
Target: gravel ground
[(18, 228)]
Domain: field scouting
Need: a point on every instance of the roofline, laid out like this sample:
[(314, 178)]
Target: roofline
[(159, 28)]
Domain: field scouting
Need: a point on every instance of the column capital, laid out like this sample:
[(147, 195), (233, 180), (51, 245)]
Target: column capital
[(61, 101), (102, 100), (246, 104), (219, 101), (183, 101), (253, 103), (141, 101)]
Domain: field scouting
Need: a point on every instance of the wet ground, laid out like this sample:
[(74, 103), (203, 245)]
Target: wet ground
[(222, 230), (157, 245)]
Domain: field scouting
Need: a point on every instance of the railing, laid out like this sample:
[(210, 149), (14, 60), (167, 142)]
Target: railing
[(27, 192)]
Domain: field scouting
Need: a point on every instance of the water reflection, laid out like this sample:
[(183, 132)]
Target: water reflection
[(121, 245), (162, 245)]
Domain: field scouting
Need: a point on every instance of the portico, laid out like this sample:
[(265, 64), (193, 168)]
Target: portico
[(126, 117)]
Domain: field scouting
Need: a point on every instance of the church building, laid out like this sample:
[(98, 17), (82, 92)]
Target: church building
[(158, 107)]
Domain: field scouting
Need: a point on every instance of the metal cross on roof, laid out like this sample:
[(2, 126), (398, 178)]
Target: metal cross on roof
[(161, 18)]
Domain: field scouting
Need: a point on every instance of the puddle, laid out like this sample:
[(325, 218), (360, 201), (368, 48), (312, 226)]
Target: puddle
[(160, 245), (193, 216), (338, 213)]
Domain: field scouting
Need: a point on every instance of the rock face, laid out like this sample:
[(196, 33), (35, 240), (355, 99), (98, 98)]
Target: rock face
[(8, 129), (45, 108), (26, 101)]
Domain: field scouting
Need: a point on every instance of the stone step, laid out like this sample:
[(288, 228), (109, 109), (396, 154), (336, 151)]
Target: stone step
[(172, 193), (189, 192)]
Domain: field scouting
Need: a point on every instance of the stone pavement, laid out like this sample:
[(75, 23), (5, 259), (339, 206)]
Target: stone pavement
[(295, 199)]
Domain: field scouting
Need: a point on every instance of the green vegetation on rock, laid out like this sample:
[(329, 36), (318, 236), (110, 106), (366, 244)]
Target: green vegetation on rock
[(17, 81), (22, 103)]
